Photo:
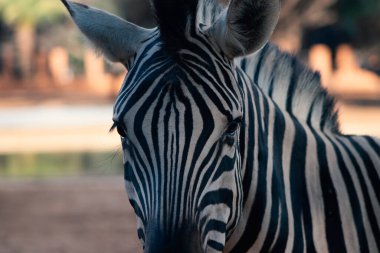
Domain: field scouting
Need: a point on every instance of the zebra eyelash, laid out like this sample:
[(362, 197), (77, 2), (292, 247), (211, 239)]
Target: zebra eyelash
[(121, 131), (114, 125)]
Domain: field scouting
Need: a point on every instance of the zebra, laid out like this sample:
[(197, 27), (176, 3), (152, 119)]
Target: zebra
[(228, 143)]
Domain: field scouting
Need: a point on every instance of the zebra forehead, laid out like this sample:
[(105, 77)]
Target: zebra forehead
[(163, 80), (174, 18), (175, 98)]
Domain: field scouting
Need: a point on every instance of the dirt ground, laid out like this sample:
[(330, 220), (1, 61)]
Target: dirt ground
[(76, 215)]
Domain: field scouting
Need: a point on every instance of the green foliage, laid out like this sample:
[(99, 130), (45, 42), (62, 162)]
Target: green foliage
[(30, 12), (351, 11), (109, 5), (59, 164)]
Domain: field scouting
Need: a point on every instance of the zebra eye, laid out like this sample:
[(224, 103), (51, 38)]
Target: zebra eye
[(121, 131), (233, 126)]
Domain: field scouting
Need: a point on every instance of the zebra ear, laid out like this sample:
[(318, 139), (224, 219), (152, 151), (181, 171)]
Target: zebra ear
[(245, 26), (116, 38)]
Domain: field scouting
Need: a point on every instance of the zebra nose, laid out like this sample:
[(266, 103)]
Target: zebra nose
[(185, 241)]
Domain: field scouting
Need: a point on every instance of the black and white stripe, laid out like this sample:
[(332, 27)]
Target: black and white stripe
[(179, 125), (305, 190), (227, 154)]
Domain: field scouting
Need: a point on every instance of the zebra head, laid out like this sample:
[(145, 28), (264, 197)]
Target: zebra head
[(179, 114)]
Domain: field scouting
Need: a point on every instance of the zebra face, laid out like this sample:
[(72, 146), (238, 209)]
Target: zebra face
[(179, 114), (180, 123)]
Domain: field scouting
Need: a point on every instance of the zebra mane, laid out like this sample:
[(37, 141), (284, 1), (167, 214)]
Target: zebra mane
[(290, 84), (174, 18), (293, 86)]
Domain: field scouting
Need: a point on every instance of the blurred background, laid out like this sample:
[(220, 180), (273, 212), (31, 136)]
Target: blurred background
[(61, 184)]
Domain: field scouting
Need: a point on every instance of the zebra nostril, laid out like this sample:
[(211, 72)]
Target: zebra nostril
[(181, 241)]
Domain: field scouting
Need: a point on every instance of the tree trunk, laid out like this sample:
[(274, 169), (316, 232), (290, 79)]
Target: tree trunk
[(25, 39)]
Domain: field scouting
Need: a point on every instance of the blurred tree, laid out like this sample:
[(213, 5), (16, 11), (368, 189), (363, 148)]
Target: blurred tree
[(360, 19), (296, 15), (352, 10), (356, 18), (24, 16), (136, 11)]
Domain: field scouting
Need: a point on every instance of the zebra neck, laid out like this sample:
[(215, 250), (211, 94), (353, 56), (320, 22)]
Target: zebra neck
[(292, 86), (272, 138), (267, 153)]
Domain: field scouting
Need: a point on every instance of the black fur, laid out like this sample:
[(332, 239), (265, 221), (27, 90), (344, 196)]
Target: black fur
[(173, 17), (72, 13), (66, 4)]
